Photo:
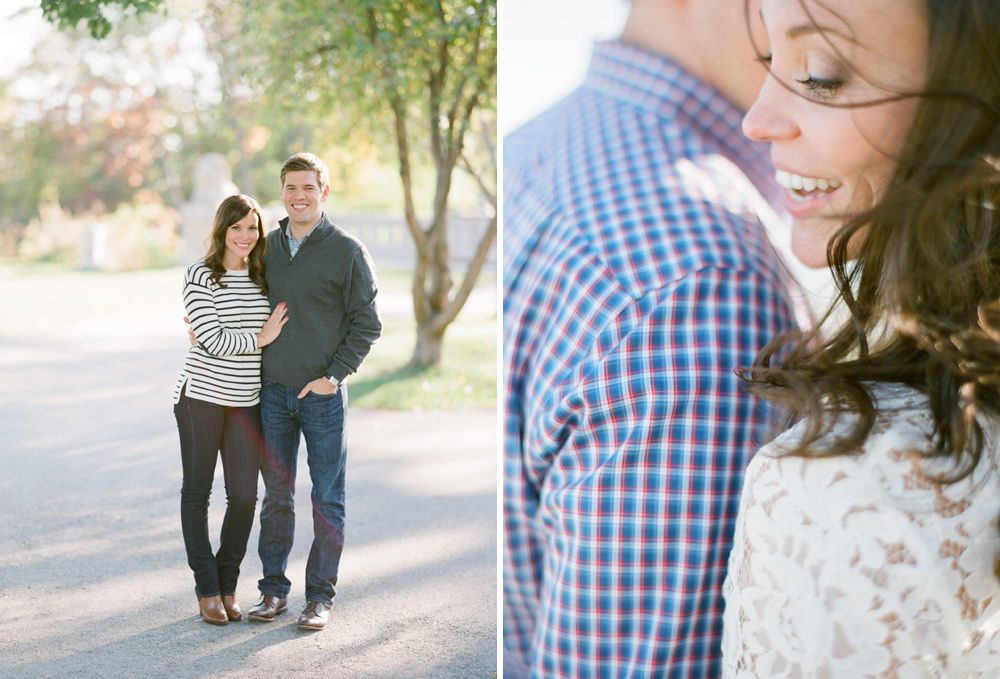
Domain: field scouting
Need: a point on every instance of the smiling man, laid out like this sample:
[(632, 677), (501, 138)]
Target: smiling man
[(326, 278)]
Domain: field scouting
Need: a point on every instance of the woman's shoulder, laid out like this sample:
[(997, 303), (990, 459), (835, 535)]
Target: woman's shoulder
[(199, 273), (900, 412), (890, 469)]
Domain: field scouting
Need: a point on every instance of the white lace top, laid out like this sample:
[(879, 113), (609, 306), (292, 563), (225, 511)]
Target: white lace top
[(858, 566)]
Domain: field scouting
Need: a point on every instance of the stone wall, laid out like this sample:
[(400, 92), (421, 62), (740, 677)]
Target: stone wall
[(390, 244)]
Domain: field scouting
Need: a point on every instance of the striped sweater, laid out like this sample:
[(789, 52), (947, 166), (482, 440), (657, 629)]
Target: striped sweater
[(225, 366)]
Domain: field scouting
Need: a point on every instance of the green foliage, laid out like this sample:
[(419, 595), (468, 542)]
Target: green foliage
[(135, 236), (108, 124), (352, 63), (96, 14)]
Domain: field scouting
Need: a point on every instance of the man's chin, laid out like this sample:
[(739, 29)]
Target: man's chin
[(303, 220)]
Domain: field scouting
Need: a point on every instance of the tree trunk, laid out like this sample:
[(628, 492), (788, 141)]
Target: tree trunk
[(429, 347)]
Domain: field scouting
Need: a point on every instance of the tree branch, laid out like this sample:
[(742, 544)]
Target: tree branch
[(460, 87), (450, 313), (402, 142), (490, 195), (436, 84)]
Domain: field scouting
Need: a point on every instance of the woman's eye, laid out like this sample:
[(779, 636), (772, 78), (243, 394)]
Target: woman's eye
[(764, 59), (825, 87)]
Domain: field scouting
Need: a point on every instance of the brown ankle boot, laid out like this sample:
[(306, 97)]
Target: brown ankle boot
[(212, 610), (232, 607)]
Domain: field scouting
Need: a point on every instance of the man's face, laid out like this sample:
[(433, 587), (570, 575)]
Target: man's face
[(303, 197)]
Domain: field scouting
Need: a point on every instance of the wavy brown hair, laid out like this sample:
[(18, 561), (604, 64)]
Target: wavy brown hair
[(917, 275), (232, 210)]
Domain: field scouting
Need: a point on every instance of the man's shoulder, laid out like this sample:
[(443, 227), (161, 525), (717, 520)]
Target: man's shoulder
[(650, 193), (334, 239), (571, 123), (276, 233), (652, 214)]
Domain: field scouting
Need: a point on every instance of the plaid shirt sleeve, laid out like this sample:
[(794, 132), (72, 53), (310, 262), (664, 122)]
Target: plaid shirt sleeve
[(636, 278), (620, 513)]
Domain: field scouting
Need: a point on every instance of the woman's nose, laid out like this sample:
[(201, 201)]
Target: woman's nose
[(769, 118)]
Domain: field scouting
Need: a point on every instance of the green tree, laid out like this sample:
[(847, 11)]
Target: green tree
[(424, 70), (97, 15)]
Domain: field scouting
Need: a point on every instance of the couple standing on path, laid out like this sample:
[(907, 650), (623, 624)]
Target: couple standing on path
[(306, 292)]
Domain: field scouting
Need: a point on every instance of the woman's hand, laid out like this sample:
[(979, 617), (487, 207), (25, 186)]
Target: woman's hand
[(272, 328), (194, 340)]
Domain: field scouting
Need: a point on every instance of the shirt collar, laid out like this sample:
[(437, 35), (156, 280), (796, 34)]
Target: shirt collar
[(288, 230), (653, 82)]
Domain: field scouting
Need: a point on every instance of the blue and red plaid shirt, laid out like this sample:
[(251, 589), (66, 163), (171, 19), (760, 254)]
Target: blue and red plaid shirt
[(637, 277)]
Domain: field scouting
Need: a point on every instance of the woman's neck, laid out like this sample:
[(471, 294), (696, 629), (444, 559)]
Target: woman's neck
[(233, 263)]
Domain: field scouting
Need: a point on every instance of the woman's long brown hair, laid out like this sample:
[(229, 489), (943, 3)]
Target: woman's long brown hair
[(923, 264)]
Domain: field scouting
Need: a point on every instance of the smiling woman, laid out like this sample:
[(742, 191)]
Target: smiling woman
[(835, 159), (867, 540), (217, 399), (241, 237)]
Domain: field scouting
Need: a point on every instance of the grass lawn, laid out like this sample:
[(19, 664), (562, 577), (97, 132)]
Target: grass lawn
[(467, 375), (466, 378)]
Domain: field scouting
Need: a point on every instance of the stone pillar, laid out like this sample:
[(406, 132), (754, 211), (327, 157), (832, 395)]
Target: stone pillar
[(93, 247), (213, 183)]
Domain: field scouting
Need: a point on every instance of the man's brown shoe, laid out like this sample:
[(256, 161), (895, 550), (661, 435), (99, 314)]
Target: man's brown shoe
[(268, 607), (212, 610), (232, 607), (315, 615)]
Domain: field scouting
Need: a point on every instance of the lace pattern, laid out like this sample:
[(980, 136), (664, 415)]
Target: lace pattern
[(859, 566)]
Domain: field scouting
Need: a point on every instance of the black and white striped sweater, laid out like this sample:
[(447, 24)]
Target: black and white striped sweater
[(225, 366)]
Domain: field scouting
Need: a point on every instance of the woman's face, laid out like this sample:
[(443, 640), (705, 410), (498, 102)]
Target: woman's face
[(825, 55), (241, 238)]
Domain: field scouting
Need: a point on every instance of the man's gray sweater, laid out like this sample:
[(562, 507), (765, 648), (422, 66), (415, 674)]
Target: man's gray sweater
[(329, 288)]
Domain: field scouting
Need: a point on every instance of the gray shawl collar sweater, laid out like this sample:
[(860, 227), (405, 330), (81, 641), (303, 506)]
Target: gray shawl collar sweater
[(329, 288)]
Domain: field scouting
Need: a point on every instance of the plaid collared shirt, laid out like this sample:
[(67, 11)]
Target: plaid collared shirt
[(636, 278), (294, 245)]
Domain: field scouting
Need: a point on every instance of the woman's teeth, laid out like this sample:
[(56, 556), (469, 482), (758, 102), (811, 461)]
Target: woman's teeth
[(802, 188)]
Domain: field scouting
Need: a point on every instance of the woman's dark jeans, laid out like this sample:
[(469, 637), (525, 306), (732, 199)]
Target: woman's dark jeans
[(206, 430)]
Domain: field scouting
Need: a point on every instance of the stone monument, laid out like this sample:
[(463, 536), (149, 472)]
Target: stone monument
[(213, 182)]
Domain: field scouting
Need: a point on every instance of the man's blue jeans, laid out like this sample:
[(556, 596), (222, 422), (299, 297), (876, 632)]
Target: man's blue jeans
[(321, 418)]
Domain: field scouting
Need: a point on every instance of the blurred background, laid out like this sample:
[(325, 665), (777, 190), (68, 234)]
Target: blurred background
[(122, 127), (546, 50)]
